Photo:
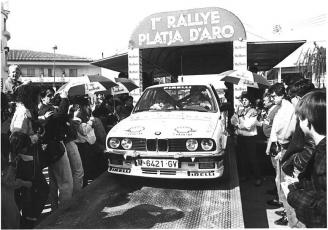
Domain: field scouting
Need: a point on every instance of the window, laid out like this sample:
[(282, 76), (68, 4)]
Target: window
[(30, 72), (49, 73), (42, 72), (72, 72)]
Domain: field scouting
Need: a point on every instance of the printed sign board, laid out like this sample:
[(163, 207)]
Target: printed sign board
[(239, 63), (188, 27), (135, 71)]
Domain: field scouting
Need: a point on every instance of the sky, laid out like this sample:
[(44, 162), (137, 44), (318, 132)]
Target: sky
[(89, 28)]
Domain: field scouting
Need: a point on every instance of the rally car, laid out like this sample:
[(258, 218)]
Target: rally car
[(176, 130)]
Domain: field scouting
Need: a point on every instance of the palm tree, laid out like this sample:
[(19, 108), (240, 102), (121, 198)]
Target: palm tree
[(313, 63)]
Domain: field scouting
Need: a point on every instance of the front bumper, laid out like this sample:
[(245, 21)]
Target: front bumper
[(191, 168)]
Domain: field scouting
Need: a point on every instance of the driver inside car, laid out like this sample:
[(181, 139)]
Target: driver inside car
[(197, 98)]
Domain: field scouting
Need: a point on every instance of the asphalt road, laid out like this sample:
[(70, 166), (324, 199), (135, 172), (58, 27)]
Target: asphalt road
[(130, 202)]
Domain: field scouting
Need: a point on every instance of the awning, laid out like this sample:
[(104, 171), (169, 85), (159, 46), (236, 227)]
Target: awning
[(203, 59)]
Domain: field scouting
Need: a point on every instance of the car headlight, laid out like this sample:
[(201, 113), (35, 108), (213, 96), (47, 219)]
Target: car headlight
[(114, 143), (126, 143), (207, 144), (191, 144)]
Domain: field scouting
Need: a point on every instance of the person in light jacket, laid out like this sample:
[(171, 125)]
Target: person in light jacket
[(245, 121), (283, 127)]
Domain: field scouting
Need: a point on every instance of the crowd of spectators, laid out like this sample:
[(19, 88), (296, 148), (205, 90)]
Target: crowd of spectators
[(291, 119), (42, 130)]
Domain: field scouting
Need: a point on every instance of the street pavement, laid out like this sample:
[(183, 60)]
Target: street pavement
[(113, 201)]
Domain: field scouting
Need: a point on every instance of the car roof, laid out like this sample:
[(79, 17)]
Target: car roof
[(177, 84)]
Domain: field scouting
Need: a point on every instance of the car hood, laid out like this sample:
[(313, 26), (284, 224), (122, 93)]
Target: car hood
[(160, 125)]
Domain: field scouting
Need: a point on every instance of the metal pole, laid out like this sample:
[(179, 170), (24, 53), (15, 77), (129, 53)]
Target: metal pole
[(54, 64)]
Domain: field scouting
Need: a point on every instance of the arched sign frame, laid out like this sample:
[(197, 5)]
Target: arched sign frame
[(186, 28)]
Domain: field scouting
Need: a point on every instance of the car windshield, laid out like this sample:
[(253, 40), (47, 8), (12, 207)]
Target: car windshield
[(177, 98)]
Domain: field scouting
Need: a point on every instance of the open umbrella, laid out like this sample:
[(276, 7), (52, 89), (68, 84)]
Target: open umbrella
[(244, 76), (124, 85), (87, 85), (106, 82)]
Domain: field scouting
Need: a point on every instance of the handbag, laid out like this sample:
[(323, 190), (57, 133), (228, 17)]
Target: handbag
[(50, 153)]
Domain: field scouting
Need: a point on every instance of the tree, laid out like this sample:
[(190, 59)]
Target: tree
[(313, 63)]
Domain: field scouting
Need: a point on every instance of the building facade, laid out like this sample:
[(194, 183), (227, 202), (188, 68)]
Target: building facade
[(5, 37), (50, 68)]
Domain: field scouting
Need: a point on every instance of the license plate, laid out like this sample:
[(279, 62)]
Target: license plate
[(154, 163)]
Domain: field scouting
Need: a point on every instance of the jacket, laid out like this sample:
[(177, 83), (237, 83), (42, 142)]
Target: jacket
[(247, 119), (56, 127), (284, 122), (22, 120), (309, 196), (298, 153)]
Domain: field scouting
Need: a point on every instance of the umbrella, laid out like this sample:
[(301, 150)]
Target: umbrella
[(87, 85), (244, 76), (124, 85), (106, 82)]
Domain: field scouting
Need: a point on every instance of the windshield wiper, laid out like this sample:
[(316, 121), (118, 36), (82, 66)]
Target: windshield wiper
[(142, 110), (196, 110)]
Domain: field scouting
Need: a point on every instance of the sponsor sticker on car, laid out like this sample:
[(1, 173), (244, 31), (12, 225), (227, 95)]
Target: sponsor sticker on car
[(205, 173), (121, 170)]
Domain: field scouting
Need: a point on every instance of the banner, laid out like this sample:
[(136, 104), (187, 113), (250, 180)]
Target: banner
[(188, 27)]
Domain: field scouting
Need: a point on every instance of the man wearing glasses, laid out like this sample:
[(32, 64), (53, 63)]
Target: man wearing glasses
[(282, 130)]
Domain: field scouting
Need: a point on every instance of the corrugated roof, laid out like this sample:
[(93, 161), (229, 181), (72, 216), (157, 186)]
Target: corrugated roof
[(30, 55)]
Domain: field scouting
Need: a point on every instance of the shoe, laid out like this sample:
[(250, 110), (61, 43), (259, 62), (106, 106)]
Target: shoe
[(274, 202), (281, 213), (282, 221), (258, 182), (272, 192)]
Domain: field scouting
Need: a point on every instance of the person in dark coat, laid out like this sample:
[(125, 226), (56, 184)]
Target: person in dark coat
[(301, 147), (55, 122), (309, 196)]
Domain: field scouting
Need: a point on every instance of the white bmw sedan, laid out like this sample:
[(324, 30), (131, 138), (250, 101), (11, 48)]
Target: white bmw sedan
[(175, 131)]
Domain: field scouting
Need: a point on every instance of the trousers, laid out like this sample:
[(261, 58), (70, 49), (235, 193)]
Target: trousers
[(247, 161), (76, 165), (60, 180)]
